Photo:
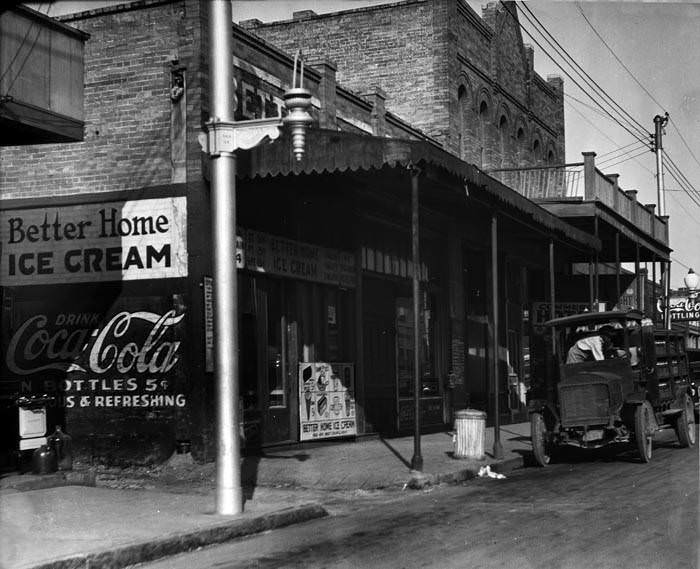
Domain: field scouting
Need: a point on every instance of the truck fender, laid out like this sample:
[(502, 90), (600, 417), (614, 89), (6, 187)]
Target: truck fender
[(547, 410)]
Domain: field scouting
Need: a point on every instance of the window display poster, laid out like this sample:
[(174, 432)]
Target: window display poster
[(326, 400)]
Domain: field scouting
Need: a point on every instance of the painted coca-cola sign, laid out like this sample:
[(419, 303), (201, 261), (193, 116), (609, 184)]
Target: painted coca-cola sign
[(118, 358)]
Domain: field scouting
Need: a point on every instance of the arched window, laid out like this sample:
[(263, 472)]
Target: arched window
[(462, 121), (536, 151), (550, 157), (503, 139), (520, 145), (483, 122)]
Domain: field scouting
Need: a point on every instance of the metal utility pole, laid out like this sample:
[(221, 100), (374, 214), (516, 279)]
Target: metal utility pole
[(659, 124), (223, 137), (229, 496), (417, 459)]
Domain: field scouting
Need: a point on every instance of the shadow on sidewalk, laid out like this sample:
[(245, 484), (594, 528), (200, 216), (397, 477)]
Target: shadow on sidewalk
[(251, 465), (396, 453)]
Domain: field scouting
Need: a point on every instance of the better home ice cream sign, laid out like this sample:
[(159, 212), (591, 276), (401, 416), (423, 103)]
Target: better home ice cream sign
[(139, 239)]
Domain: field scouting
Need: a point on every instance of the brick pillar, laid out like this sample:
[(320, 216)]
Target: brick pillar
[(327, 94), (632, 195), (378, 99), (616, 190), (589, 175)]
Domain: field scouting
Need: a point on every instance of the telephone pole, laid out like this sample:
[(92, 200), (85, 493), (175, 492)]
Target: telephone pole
[(659, 124)]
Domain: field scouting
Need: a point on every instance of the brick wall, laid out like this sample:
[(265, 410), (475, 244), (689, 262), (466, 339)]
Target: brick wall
[(465, 80), (366, 49), (127, 108)]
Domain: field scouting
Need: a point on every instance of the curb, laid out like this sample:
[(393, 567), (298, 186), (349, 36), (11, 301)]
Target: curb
[(131, 554), (26, 483), (418, 480)]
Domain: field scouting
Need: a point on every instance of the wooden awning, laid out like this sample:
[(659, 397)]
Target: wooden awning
[(329, 151)]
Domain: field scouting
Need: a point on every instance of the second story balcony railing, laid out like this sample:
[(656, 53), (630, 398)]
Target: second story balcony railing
[(543, 182), (583, 181)]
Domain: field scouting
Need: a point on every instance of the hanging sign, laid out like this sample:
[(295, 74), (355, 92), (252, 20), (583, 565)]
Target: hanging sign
[(114, 241), (326, 400)]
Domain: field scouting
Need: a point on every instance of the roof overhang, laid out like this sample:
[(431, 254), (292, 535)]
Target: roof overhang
[(329, 151)]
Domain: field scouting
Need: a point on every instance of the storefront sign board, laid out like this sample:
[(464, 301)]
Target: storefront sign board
[(681, 308), (266, 253), (100, 242), (326, 400)]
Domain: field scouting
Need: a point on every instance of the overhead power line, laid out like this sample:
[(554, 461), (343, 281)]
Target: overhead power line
[(636, 143), (618, 155), (623, 116), (608, 166), (580, 9), (632, 75), (684, 141), (26, 57)]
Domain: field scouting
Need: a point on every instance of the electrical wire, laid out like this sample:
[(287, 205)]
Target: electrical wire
[(19, 49), (681, 180), (562, 52), (617, 157), (605, 135), (558, 64), (618, 149), (580, 9), (26, 57), (683, 140), (608, 166), (651, 96)]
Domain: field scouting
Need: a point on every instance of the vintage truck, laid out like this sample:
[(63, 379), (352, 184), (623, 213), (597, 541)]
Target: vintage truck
[(615, 380)]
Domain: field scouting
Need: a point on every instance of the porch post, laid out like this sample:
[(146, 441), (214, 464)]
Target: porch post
[(497, 447), (591, 293), (597, 265), (617, 267), (417, 460), (636, 277), (552, 305), (552, 296), (653, 288)]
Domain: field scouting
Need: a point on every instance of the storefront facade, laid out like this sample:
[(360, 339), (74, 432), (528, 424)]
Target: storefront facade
[(107, 278)]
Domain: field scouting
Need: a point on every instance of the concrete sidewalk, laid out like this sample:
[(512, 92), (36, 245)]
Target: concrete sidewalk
[(117, 518)]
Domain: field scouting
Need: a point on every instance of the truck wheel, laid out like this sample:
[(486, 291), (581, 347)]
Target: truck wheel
[(685, 424), (541, 445), (643, 431)]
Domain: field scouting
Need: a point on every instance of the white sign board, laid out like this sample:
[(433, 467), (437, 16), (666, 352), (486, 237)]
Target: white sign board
[(326, 400), (114, 241)]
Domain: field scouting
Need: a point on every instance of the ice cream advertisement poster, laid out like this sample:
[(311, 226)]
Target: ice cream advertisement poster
[(326, 400)]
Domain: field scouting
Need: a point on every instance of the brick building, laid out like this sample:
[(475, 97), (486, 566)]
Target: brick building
[(106, 254), (467, 81)]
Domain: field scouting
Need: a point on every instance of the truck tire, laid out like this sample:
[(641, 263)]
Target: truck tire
[(643, 430), (541, 445), (685, 423)]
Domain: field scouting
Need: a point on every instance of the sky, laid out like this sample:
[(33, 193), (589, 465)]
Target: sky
[(650, 66)]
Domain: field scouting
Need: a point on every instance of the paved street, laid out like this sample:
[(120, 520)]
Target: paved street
[(597, 511)]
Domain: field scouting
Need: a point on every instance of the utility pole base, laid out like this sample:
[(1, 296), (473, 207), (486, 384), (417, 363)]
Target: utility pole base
[(497, 450), (229, 501), (417, 462)]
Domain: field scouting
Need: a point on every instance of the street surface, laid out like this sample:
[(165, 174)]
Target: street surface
[(590, 511)]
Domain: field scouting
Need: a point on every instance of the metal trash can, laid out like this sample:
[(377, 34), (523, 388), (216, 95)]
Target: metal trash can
[(469, 438)]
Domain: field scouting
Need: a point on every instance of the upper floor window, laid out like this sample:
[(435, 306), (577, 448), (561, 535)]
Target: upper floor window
[(520, 144), (503, 138)]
